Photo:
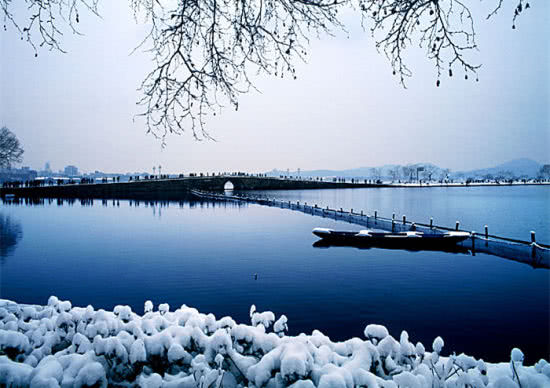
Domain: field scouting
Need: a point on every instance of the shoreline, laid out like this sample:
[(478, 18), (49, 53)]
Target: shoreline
[(174, 187), (453, 185)]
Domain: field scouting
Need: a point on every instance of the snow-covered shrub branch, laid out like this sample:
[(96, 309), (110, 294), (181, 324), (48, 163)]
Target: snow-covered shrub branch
[(59, 345)]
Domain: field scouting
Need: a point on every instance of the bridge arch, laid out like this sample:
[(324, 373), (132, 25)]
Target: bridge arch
[(228, 185)]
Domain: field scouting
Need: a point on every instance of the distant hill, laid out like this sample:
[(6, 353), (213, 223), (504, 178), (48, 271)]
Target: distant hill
[(515, 168)]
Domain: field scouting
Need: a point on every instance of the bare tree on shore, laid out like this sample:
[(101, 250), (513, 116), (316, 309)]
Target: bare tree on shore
[(10, 149), (444, 174), (376, 173), (206, 53), (408, 172), (544, 171), (394, 173), (429, 172)]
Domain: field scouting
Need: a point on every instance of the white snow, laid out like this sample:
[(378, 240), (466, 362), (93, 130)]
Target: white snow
[(517, 355), (11, 339), (377, 332), (438, 345), (281, 325), (63, 346), (14, 374), (164, 308), (266, 319), (124, 313), (137, 351), (148, 308), (322, 230), (91, 374)]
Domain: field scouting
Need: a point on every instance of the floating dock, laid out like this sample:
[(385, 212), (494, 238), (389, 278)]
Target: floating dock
[(529, 252)]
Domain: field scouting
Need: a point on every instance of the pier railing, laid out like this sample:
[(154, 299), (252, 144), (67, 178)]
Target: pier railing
[(529, 252)]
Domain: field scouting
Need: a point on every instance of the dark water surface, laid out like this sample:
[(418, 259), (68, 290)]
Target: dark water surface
[(205, 255)]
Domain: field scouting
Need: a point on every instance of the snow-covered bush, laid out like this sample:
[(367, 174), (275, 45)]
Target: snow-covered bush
[(59, 345)]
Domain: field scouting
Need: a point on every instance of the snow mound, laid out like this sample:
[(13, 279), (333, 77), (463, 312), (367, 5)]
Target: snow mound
[(59, 345)]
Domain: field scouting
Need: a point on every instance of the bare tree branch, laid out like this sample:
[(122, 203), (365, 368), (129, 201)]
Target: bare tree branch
[(45, 19), (206, 53)]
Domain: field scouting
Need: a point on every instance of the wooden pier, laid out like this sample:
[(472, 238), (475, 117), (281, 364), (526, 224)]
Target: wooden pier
[(529, 252)]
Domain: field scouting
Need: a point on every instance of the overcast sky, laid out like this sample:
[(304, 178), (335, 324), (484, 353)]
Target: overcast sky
[(345, 110)]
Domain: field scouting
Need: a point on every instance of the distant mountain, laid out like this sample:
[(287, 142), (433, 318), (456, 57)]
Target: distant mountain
[(516, 168)]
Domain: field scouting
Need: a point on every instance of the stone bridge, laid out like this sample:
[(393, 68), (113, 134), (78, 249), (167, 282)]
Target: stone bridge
[(173, 188)]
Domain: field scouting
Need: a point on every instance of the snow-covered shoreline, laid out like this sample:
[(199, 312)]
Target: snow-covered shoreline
[(61, 345), (463, 184)]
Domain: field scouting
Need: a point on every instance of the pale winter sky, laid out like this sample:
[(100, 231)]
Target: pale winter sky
[(345, 110)]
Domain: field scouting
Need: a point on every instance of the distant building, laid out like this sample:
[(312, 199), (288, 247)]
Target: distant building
[(71, 171), (47, 171), (17, 174)]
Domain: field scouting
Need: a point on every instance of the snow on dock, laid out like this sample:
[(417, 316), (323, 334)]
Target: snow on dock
[(532, 253)]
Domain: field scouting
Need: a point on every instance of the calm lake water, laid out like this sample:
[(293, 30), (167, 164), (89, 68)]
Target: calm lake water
[(205, 255), (508, 211)]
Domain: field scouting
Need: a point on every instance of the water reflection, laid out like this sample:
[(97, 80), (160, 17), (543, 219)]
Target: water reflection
[(448, 249), (10, 234), (155, 204)]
